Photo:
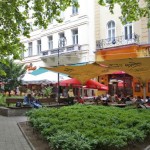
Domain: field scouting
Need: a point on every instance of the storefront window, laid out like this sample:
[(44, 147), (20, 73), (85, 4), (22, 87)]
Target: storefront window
[(137, 87)]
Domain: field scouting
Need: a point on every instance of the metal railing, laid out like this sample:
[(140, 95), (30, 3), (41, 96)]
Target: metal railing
[(61, 50), (117, 41)]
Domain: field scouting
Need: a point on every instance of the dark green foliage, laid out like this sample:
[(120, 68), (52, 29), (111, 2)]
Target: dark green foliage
[(81, 127), (47, 91), (69, 140), (14, 16), (10, 71), (2, 100)]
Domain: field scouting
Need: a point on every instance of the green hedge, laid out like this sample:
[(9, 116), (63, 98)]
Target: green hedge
[(2, 100), (82, 127)]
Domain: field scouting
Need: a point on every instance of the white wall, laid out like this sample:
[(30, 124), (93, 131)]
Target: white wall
[(83, 21), (105, 17), (34, 48), (44, 43)]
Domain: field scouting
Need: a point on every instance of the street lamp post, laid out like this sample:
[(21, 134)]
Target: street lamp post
[(61, 44)]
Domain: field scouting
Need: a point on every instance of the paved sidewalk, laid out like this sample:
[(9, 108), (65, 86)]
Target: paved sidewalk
[(11, 137)]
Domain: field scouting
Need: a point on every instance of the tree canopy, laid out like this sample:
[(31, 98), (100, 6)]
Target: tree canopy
[(14, 16)]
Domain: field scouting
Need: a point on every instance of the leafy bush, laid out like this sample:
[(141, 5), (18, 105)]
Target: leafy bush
[(69, 140), (82, 127), (2, 100), (47, 91)]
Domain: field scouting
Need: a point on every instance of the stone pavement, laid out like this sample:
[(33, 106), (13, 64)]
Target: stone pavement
[(11, 137)]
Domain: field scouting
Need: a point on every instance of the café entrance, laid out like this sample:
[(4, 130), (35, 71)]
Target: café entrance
[(120, 84)]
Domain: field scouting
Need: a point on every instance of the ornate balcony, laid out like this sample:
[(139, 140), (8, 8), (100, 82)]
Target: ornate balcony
[(63, 50), (117, 41)]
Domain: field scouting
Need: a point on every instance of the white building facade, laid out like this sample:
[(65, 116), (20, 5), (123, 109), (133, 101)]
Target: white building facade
[(78, 30)]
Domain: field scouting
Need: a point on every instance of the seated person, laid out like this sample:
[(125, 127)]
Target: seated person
[(148, 100), (128, 98), (123, 100), (139, 103), (79, 99), (104, 99), (31, 101), (97, 99)]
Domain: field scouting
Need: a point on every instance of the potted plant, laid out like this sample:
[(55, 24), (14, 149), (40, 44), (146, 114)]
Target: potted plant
[(47, 91)]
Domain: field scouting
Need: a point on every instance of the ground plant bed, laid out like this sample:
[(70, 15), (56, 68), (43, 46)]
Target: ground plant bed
[(33, 137), (82, 127), (37, 142)]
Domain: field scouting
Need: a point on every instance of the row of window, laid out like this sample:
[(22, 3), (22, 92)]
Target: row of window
[(110, 33), (61, 42), (128, 31)]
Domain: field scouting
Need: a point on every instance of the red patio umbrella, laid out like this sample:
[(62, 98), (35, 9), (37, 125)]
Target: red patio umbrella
[(118, 72), (69, 82), (89, 84), (96, 85)]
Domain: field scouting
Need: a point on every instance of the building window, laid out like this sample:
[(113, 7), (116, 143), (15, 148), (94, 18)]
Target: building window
[(50, 42), (137, 87), (74, 10), (75, 36), (30, 49), (111, 30), (128, 30), (62, 40), (38, 46)]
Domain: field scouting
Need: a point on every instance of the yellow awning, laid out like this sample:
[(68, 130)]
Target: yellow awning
[(83, 72), (137, 67)]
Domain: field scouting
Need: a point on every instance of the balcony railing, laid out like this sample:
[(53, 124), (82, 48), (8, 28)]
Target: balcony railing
[(73, 48), (55, 51), (117, 41), (63, 50)]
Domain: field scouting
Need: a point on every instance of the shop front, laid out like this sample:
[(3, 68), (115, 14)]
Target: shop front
[(124, 83)]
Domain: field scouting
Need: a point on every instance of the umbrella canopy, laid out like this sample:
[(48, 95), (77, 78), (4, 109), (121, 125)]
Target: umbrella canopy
[(50, 77), (118, 72), (69, 82), (43, 76), (137, 67), (89, 84), (83, 72), (96, 85), (39, 71), (28, 79)]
